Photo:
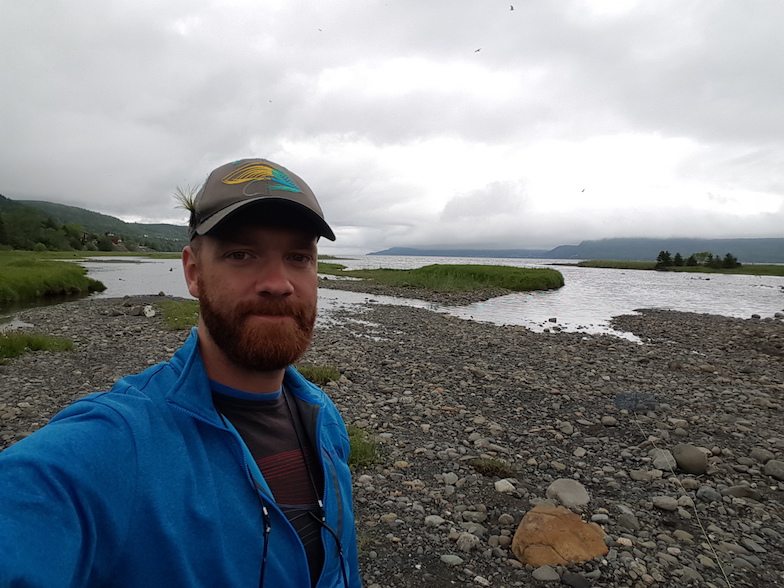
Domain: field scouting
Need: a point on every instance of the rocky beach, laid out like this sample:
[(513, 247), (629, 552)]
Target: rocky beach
[(671, 450)]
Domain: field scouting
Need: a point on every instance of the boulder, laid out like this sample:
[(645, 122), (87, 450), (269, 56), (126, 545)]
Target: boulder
[(553, 535)]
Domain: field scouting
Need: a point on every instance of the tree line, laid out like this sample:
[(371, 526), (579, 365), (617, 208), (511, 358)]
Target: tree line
[(25, 228), (706, 259)]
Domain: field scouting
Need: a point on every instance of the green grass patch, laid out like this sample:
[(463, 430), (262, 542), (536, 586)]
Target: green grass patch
[(26, 275), (333, 269), (457, 278), (319, 374), (364, 451), (13, 344), (751, 270), (180, 314), (492, 467)]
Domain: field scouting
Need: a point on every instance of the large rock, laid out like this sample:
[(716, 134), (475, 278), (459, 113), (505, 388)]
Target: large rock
[(690, 459), (568, 492), (553, 535)]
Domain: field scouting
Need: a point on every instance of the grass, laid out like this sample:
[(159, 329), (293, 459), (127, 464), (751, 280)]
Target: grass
[(748, 269), (319, 374), (364, 451), (13, 344), (180, 314), (457, 278), (492, 467), (27, 275)]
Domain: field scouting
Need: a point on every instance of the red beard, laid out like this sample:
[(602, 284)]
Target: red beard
[(263, 347)]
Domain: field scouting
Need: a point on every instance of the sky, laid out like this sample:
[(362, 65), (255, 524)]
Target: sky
[(443, 123)]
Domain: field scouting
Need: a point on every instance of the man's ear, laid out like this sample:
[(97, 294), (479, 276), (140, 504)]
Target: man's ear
[(191, 270)]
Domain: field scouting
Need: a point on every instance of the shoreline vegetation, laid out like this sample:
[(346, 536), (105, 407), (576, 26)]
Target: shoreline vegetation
[(746, 269), (26, 275), (454, 278)]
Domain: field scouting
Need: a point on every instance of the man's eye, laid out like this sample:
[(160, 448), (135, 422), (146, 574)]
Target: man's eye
[(237, 255), (300, 258)]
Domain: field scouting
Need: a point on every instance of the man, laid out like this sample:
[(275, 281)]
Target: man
[(221, 467)]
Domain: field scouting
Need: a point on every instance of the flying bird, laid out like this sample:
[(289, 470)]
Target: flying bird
[(477, 50), (511, 7)]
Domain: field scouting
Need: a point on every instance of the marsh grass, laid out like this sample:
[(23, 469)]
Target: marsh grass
[(25, 275), (457, 278), (13, 344), (364, 451), (180, 314)]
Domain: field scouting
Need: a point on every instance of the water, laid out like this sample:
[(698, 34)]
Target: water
[(590, 298)]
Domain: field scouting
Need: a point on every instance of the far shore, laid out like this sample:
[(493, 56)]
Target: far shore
[(757, 269)]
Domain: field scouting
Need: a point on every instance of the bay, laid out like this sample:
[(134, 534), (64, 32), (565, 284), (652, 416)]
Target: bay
[(586, 303)]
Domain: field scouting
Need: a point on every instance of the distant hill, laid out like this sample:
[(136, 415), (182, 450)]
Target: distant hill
[(96, 222), (746, 250)]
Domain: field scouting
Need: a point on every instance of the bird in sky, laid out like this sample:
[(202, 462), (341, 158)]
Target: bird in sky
[(477, 50)]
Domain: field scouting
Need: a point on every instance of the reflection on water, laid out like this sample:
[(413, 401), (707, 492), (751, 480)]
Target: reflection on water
[(589, 299)]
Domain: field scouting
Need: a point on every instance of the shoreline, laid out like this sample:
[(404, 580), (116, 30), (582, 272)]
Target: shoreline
[(440, 393)]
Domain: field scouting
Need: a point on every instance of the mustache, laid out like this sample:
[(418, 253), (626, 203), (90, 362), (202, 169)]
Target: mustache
[(273, 308)]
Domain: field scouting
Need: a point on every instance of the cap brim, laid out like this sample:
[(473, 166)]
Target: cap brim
[(314, 220)]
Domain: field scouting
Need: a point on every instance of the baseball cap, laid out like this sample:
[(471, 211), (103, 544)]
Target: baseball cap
[(237, 185)]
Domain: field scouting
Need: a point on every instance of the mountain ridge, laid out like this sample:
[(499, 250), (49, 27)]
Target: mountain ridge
[(749, 250)]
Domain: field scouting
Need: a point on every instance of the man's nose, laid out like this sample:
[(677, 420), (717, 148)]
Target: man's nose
[(274, 280)]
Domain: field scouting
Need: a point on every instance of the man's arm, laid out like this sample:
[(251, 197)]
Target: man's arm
[(65, 498)]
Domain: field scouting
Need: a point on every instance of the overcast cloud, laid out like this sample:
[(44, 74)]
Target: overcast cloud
[(446, 122)]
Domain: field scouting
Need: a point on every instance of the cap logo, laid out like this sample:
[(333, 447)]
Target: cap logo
[(255, 172)]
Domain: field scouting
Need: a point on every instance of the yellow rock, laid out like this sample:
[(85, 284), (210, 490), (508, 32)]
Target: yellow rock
[(553, 535)]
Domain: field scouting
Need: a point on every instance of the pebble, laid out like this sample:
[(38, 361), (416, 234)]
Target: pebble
[(775, 469), (665, 502), (440, 393), (546, 574), (570, 493), (690, 459)]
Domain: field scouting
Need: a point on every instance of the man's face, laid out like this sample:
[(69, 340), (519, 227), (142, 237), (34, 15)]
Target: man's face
[(257, 291)]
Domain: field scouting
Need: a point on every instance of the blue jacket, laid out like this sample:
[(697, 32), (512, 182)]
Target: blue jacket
[(146, 486)]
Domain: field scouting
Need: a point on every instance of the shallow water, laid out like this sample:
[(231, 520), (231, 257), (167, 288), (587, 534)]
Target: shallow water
[(589, 299)]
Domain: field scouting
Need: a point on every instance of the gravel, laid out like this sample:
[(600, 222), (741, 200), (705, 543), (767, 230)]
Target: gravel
[(446, 399)]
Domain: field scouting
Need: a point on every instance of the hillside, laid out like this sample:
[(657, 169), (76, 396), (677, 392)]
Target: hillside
[(32, 224), (746, 250), (96, 222)]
